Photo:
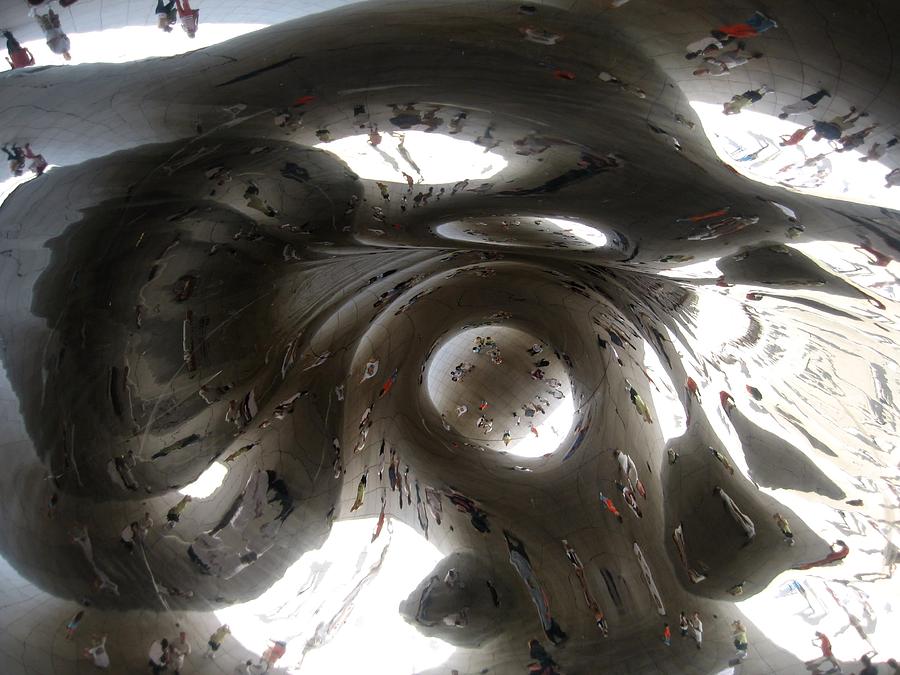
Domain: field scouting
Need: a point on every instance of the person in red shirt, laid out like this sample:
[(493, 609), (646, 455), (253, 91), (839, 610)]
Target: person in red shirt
[(825, 645), (190, 18), (272, 654), (19, 56), (38, 164), (795, 137)]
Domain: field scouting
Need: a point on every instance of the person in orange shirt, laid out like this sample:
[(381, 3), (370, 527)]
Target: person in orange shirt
[(608, 503)]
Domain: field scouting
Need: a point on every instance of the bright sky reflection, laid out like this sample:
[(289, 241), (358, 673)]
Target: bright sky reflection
[(584, 232), (843, 176), (208, 482), (373, 637), (552, 429), (440, 159), (133, 43)]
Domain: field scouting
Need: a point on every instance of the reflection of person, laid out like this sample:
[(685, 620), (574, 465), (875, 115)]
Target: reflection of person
[(740, 101), (805, 104), (274, 652), (536, 651), (360, 491), (73, 625), (158, 656), (785, 528), (165, 15), (215, 640), (697, 629), (57, 40), (821, 640), (189, 17), (739, 516), (19, 56), (518, 558), (740, 639), (174, 514), (97, 652), (16, 158)]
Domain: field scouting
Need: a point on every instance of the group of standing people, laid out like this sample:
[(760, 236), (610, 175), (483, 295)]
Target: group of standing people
[(17, 156), (57, 41)]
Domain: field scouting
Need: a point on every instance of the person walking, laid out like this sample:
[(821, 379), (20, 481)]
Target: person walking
[(190, 18), (834, 128), (57, 40), (38, 163), (274, 652), (667, 635), (165, 15), (822, 642), (178, 651), (785, 528), (215, 640), (174, 514), (697, 628), (159, 656), (740, 638), (97, 652), (72, 625), (805, 104), (725, 62), (19, 56), (739, 516), (128, 535), (740, 101), (16, 157), (683, 624)]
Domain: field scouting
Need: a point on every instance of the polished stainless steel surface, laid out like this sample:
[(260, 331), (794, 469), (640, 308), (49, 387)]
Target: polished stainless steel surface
[(398, 334)]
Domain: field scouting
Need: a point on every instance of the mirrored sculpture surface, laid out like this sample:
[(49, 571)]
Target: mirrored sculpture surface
[(449, 337)]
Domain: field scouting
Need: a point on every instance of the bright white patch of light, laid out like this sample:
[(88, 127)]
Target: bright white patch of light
[(789, 618), (207, 483), (440, 158), (669, 409), (704, 269), (374, 638), (720, 318), (11, 183), (133, 43), (547, 441), (736, 136), (855, 264), (584, 232)]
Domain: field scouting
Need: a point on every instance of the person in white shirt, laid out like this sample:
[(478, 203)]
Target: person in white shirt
[(177, 651), (57, 40), (697, 628), (98, 652)]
